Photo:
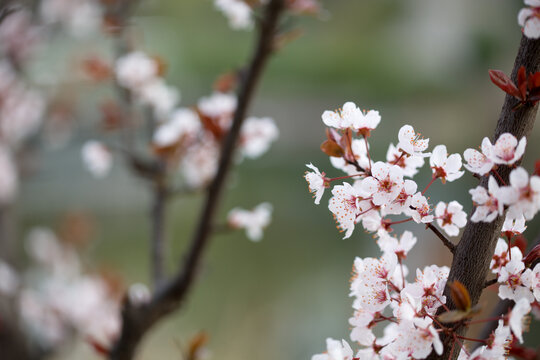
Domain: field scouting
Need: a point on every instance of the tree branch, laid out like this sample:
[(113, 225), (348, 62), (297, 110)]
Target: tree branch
[(443, 238), (474, 252), (138, 319)]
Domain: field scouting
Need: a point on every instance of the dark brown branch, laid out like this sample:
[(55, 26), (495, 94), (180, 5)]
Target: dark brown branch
[(488, 283), (443, 238), (157, 238), (473, 253), (137, 320)]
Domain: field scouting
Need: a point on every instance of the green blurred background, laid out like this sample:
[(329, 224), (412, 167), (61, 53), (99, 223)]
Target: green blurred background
[(418, 62)]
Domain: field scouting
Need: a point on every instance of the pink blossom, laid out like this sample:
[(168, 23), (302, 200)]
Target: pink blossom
[(488, 205), (445, 167), (450, 217), (344, 206), (411, 142), (351, 117), (385, 183), (97, 158), (399, 204), (515, 280), (336, 350), (529, 19), (409, 164), (254, 221), (523, 194), (506, 149), (256, 136), (479, 162), (316, 182), (401, 247), (418, 207), (520, 309)]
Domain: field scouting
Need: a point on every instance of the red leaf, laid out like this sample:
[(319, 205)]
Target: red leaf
[(537, 168), (533, 255), (331, 148), (460, 295), (534, 81), (522, 82), (504, 83)]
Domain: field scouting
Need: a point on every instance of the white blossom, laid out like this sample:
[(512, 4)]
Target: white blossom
[(316, 182), (237, 12), (411, 142), (97, 158), (253, 221), (384, 184), (450, 217), (529, 19), (506, 149), (488, 205), (351, 117), (445, 167), (256, 136), (520, 309)]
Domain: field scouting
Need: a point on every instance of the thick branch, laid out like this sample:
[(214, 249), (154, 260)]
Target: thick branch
[(473, 253), (137, 320)]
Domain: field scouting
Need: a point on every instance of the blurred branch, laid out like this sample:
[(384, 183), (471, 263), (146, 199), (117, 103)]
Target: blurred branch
[(473, 254), (138, 319), (443, 238)]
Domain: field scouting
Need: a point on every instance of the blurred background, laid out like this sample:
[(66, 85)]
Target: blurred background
[(418, 62)]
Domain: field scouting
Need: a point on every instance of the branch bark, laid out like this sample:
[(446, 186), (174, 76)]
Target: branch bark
[(138, 319), (473, 254)]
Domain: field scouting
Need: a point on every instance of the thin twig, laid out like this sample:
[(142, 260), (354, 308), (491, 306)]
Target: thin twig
[(490, 282), (138, 319), (443, 238)]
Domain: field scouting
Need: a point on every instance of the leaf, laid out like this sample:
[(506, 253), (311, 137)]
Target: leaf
[(532, 256), (504, 83), (457, 315), (522, 82), (331, 148), (460, 295), (534, 81)]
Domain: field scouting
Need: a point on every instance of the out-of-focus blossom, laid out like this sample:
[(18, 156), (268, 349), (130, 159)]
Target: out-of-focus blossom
[(9, 179), (135, 70), (97, 158), (256, 136), (9, 279), (522, 308), (139, 294), (18, 35), (183, 122), (238, 12), (79, 17), (219, 107), (529, 19), (335, 350), (199, 164), (160, 96), (522, 196), (254, 221)]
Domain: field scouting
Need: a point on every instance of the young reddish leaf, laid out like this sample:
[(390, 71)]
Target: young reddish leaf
[(537, 168), (460, 295), (97, 346), (522, 82), (504, 83), (457, 315), (331, 148), (520, 242), (534, 81), (196, 344), (522, 352)]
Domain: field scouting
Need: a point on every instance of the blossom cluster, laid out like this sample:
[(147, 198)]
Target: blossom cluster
[(376, 192), (57, 295), (529, 19)]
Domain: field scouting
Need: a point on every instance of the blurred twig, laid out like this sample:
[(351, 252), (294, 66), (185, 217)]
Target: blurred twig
[(138, 319)]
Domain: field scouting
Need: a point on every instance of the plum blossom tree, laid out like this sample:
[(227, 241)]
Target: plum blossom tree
[(427, 318)]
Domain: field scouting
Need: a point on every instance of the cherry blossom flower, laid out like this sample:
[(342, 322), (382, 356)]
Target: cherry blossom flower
[(361, 331), (336, 350), (501, 257), (512, 227), (237, 12), (418, 207), (400, 247), (183, 122), (535, 282), (370, 284), (529, 19), (409, 164), (219, 107), (497, 350), (136, 69), (428, 288), (506, 149), (18, 36), (487, 202), (411, 142), (523, 194), (445, 167), (97, 158), (450, 217), (253, 221), (520, 309), (399, 204), (514, 280), (385, 184), (199, 164), (139, 294), (9, 179), (316, 182), (256, 136), (479, 162), (344, 205), (160, 96), (351, 117)]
